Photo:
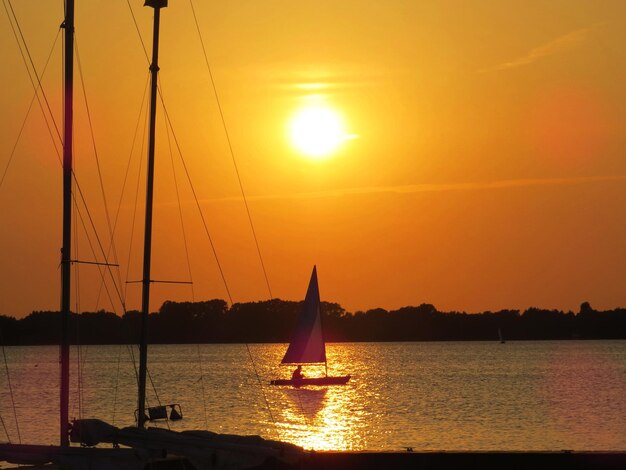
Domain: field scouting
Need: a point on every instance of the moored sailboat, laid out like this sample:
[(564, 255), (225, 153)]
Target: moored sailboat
[(63, 455), (193, 448), (200, 448), (307, 345)]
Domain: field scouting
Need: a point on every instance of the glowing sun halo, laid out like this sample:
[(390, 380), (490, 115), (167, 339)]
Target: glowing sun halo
[(317, 131)]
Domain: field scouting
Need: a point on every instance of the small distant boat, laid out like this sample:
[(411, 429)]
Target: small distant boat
[(307, 344), (500, 336)]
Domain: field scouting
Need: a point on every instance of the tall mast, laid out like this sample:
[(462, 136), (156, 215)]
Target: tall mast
[(68, 25), (147, 247)]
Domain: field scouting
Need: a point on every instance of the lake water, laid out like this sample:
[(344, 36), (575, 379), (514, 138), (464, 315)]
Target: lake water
[(549, 395)]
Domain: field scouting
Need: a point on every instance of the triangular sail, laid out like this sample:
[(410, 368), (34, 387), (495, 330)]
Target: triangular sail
[(307, 343)]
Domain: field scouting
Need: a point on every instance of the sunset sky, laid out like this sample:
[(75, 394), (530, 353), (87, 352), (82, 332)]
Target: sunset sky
[(477, 161)]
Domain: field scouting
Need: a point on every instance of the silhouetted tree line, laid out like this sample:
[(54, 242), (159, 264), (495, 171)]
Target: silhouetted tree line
[(272, 321)]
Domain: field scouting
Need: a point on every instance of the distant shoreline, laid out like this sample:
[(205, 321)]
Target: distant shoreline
[(329, 342), (214, 322)]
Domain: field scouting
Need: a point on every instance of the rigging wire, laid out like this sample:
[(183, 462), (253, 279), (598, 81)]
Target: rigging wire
[(77, 310), (97, 237), (93, 252), (34, 71), (180, 214), (136, 204), (40, 87), (6, 368), (130, 349), (156, 395), (193, 191), (125, 181), (81, 350), (135, 368), (105, 254), (126, 175), (131, 353), (171, 127), (143, 45), (6, 431), (206, 420), (117, 379), (79, 370), (47, 117), (267, 403), (30, 106), (169, 123), (232, 152), (154, 389), (182, 224), (37, 87), (95, 151), (243, 195)]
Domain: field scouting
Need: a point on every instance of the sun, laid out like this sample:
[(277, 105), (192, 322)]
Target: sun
[(317, 131)]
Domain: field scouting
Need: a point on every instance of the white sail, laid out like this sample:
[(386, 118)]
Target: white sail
[(307, 343)]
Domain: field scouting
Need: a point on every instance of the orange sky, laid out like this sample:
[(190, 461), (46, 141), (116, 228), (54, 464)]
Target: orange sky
[(488, 171)]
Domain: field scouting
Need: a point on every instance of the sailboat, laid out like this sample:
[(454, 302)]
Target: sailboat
[(147, 446), (500, 336), (307, 344), (201, 448), (63, 455)]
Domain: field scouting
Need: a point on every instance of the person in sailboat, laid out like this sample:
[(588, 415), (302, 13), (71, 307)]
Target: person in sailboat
[(297, 374)]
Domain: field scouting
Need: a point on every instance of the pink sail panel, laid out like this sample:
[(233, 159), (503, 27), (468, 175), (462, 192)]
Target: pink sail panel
[(307, 343)]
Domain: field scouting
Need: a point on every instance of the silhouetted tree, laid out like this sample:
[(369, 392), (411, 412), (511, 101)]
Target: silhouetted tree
[(274, 321), (585, 309), (9, 330)]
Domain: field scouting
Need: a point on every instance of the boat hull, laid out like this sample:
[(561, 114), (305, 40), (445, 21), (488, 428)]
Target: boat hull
[(312, 381)]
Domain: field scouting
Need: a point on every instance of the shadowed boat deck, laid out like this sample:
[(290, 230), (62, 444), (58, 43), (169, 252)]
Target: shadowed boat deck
[(483, 460), (329, 460)]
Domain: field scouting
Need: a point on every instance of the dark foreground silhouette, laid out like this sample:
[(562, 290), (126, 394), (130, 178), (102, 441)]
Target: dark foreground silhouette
[(272, 321)]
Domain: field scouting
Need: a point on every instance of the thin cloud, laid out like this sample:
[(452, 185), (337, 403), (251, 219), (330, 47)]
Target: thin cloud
[(422, 188), (566, 41)]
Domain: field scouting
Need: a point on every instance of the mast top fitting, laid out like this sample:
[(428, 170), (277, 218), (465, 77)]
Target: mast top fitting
[(155, 3)]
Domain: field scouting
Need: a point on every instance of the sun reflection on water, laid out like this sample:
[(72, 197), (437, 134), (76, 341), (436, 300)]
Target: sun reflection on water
[(315, 419), (429, 396), (322, 418)]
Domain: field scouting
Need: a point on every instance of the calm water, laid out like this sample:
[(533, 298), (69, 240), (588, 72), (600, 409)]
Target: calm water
[(455, 396)]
